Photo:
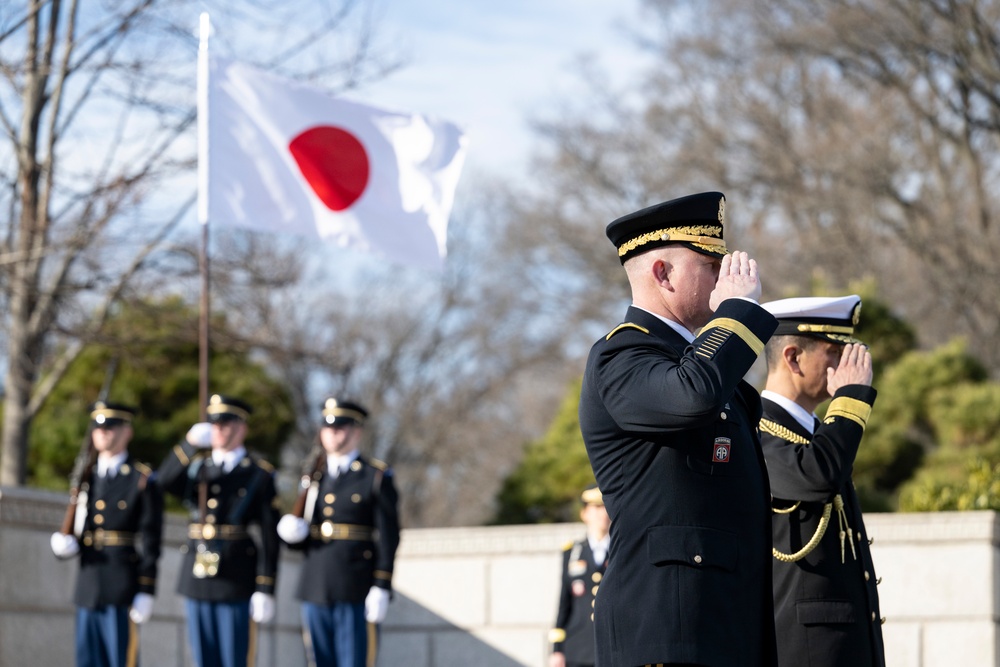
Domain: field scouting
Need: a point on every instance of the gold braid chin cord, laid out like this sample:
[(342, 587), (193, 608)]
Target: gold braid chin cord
[(780, 431)]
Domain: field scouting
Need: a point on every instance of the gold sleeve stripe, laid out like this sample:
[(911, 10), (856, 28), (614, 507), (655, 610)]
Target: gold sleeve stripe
[(740, 330), (626, 325), (147, 580), (557, 635), (849, 408), (382, 574), (264, 581), (776, 429), (181, 456)]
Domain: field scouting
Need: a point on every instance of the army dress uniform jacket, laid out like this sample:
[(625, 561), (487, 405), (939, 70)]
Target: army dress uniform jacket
[(826, 609), (670, 429), (235, 500), (353, 535), (573, 635), (120, 539)]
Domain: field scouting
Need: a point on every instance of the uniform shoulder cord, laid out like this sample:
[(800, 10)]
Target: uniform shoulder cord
[(775, 429)]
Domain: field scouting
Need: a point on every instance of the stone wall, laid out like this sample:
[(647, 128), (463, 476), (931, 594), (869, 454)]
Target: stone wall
[(487, 596)]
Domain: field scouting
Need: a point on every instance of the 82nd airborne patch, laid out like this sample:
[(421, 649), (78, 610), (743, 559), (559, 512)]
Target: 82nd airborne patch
[(721, 452)]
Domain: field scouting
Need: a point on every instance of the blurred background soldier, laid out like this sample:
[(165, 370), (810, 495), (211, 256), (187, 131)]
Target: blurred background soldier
[(347, 524), (825, 600), (115, 527), (227, 578), (583, 566)]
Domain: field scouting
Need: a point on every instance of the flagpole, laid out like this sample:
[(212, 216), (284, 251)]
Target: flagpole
[(203, 267)]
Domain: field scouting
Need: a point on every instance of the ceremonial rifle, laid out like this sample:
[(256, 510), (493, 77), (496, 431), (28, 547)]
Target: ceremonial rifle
[(85, 460), (312, 470)]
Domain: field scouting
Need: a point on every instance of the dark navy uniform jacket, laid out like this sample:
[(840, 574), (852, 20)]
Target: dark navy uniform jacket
[(120, 542), (826, 610), (573, 635), (354, 533), (671, 431), (235, 500)]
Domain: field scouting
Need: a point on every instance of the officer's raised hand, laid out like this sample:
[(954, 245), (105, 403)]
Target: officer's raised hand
[(200, 435), (737, 278), (855, 368)]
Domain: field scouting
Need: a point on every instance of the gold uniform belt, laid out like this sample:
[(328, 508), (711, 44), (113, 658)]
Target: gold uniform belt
[(329, 531), (108, 538), (210, 531)]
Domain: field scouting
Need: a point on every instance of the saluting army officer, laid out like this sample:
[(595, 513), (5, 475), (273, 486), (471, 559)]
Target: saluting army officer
[(227, 578), (117, 531), (671, 431), (583, 566), (825, 601), (349, 532)]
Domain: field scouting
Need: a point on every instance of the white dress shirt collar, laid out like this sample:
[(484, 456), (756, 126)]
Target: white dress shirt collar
[(687, 335), (799, 413), (109, 465), (228, 460), (341, 463)]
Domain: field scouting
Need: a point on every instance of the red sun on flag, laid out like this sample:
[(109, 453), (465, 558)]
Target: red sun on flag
[(334, 163)]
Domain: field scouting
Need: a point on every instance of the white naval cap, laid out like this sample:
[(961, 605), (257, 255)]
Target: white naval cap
[(829, 318)]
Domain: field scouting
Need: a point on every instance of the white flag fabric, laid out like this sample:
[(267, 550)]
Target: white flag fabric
[(285, 157)]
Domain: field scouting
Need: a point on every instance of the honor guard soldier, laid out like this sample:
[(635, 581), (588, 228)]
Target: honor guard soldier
[(347, 526), (226, 577), (825, 601), (583, 566), (116, 529), (671, 430)]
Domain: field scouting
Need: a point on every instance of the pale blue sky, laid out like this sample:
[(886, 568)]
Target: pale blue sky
[(489, 66)]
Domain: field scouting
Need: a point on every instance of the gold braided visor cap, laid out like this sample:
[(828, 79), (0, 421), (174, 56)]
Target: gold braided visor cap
[(695, 221)]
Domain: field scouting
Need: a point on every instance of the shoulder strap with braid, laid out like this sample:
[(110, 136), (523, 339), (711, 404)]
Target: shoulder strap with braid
[(785, 433)]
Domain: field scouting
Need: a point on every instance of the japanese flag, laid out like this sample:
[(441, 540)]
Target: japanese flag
[(288, 158)]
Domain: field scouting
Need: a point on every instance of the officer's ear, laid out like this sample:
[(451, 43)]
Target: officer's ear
[(660, 269), (791, 354)]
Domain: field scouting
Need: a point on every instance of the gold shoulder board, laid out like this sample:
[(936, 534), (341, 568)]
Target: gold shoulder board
[(626, 325)]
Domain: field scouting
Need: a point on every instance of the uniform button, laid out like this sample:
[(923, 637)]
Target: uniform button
[(122, 504), (878, 581), (213, 503), (867, 577), (216, 488), (883, 620), (184, 548), (593, 591), (597, 576), (697, 558), (125, 469), (368, 555), (327, 511), (355, 497), (99, 504), (858, 536), (873, 616), (871, 540), (98, 519), (241, 492), (210, 518), (329, 498), (723, 416)]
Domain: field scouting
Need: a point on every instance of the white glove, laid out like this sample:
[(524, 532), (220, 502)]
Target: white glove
[(200, 435), (64, 546), (261, 607), (142, 608), (376, 605), (292, 529)]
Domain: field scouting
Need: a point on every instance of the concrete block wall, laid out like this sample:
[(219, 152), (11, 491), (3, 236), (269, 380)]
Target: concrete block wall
[(487, 596)]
